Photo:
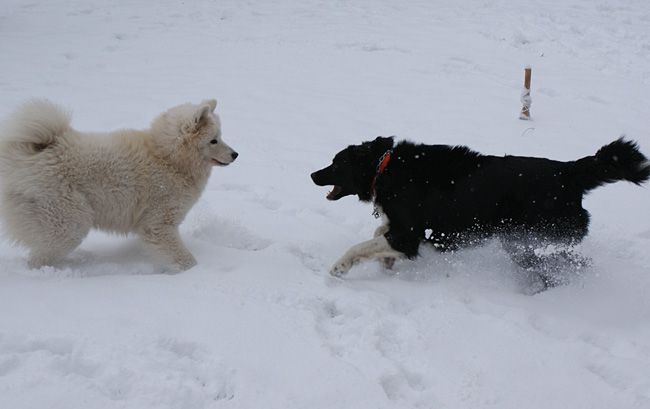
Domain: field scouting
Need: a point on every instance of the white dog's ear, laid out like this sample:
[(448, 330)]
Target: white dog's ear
[(201, 116), (212, 103)]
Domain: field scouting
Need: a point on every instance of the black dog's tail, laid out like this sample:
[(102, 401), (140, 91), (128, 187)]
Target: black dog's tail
[(620, 160)]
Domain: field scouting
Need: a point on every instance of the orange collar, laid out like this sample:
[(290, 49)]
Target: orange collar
[(381, 166)]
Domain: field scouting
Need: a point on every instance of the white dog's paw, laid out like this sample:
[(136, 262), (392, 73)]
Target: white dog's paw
[(185, 263), (170, 269), (341, 267), (37, 261)]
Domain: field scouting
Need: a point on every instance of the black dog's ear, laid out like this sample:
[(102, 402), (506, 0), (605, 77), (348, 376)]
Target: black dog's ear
[(384, 142)]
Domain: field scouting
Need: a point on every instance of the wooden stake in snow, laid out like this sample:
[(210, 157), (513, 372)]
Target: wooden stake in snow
[(526, 101)]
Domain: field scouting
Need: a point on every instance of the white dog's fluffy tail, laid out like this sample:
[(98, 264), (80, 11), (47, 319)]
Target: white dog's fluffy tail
[(35, 126)]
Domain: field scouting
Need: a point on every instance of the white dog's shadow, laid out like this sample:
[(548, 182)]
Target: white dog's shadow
[(108, 255)]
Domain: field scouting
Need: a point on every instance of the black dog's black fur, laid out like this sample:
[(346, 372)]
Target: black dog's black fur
[(462, 197)]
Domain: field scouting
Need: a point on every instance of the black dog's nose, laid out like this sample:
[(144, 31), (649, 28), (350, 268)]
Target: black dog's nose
[(315, 177), (234, 155)]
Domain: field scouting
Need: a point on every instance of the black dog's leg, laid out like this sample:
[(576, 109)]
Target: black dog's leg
[(387, 262), (552, 268), (377, 248), (558, 268), (406, 242), (522, 253)]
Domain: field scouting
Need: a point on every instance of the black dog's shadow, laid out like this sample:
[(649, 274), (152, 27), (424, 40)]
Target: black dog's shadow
[(486, 266)]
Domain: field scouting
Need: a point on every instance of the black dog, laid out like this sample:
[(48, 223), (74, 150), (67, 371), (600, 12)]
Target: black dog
[(453, 197)]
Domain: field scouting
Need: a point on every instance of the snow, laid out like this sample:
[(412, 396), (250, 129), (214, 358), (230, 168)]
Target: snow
[(259, 323)]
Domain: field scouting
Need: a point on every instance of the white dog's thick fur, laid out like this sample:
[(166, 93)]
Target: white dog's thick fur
[(58, 183)]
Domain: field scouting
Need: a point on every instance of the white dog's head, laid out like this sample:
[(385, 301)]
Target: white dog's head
[(191, 131)]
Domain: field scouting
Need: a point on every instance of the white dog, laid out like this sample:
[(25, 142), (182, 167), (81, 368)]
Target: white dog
[(58, 183)]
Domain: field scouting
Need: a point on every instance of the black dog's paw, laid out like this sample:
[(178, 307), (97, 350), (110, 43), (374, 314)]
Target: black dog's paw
[(388, 262), (341, 268)]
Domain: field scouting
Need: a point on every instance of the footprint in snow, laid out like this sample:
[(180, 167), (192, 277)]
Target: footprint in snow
[(225, 233), (184, 374), (309, 256)]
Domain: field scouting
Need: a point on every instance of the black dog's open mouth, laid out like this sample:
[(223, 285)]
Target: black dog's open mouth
[(323, 178), (335, 194)]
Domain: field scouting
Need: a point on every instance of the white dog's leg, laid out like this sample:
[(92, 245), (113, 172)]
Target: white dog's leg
[(49, 255), (167, 241), (51, 231), (376, 248)]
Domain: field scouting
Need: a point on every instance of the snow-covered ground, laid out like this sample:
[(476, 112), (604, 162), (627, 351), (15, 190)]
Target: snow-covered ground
[(259, 323)]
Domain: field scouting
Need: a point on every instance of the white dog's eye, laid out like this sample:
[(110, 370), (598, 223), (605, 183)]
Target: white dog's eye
[(214, 141)]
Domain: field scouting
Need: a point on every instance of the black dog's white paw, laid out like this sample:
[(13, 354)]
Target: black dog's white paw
[(341, 268), (388, 262)]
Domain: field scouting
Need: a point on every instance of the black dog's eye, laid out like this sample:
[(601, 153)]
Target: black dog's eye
[(214, 141)]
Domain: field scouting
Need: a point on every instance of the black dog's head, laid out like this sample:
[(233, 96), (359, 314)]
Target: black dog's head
[(353, 169)]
